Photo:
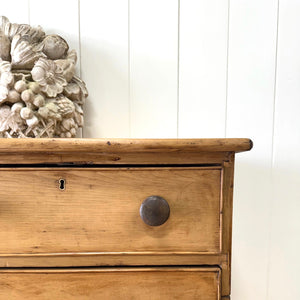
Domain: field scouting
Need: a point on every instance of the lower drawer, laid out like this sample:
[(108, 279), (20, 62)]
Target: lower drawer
[(111, 283)]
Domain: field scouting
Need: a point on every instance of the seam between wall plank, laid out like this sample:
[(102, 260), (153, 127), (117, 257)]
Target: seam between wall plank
[(28, 11), (272, 158), (227, 71), (129, 73), (178, 66), (79, 37), (79, 50)]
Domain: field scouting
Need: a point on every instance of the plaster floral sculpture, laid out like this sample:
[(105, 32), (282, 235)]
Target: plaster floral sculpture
[(40, 96)]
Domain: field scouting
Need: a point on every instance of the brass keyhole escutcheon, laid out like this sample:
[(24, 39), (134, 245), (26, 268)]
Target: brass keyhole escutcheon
[(62, 184)]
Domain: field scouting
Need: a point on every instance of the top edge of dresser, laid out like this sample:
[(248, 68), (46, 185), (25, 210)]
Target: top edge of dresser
[(59, 145)]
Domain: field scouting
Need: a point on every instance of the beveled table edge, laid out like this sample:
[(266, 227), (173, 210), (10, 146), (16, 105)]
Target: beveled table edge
[(58, 145)]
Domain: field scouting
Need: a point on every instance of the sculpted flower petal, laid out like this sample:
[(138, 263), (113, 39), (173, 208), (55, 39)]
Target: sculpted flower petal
[(49, 76), (51, 90), (61, 80)]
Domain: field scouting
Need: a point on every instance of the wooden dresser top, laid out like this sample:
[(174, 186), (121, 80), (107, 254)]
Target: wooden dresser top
[(124, 145), (119, 151)]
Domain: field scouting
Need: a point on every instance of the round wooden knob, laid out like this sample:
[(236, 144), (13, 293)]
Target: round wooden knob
[(155, 211)]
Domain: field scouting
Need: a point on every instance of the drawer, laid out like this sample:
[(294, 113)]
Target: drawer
[(111, 283), (97, 210)]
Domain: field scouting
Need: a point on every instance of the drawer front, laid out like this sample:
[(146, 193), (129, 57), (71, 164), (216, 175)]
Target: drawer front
[(106, 283), (97, 210)]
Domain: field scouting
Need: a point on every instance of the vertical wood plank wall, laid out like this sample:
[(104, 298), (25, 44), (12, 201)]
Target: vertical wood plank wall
[(153, 60), (285, 221), (203, 34), (201, 68), (250, 106)]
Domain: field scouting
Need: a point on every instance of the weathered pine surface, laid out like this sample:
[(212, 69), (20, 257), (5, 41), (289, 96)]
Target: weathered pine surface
[(76, 203), (114, 283), (98, 211)]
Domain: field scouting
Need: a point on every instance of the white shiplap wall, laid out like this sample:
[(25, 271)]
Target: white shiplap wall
[(203, 34), (250, 109), (201, 68)]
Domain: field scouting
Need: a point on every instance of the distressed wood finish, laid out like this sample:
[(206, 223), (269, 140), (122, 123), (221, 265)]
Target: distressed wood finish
[(99, 210), (117, 283), (227, 206), (95, 220), (120, 151), (111, 259), (123, 145), (140, 158)]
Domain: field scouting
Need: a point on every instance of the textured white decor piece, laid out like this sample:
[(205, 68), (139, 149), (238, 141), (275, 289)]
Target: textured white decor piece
[(40, 96)]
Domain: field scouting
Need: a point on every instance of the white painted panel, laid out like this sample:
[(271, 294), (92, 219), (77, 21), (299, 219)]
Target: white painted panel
[(104, 57), (17, 11), (285, 237), (202, 68), (251, 75), (153, 68)]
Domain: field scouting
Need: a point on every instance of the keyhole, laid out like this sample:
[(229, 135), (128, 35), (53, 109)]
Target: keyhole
[(62, 184)]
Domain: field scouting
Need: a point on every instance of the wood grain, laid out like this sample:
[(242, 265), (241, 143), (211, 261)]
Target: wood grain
[(226, 216), (111, 259), (104, 158), (95, 220), (119, 151), (111, 283), (99, 210), (123, 145)]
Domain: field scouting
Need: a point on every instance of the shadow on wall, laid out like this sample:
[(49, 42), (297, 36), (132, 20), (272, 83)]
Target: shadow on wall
[(251, 228), (153, 91), (107, 83), (266, 226)]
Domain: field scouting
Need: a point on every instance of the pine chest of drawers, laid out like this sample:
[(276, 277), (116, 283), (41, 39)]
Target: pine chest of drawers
[(116, 219)]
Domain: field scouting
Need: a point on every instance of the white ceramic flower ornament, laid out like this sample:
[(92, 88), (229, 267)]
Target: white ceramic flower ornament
[(40, 95)]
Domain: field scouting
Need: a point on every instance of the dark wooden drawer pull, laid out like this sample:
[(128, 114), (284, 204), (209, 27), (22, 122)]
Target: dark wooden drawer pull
[(155, 211)]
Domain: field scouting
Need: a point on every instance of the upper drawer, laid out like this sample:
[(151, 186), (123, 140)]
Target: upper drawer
[(98, 210)]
